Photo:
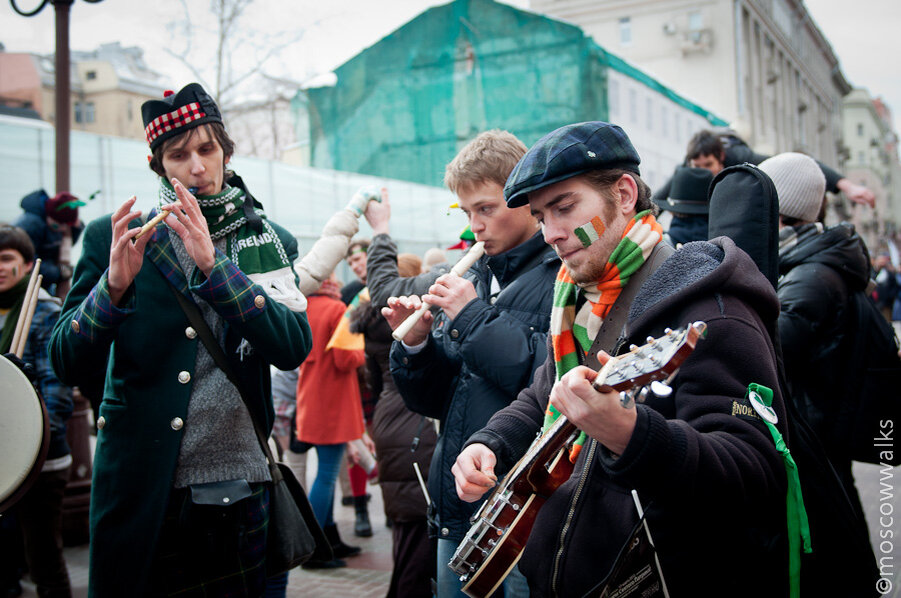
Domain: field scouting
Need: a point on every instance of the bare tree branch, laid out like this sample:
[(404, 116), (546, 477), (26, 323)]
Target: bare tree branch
[(232, 66)]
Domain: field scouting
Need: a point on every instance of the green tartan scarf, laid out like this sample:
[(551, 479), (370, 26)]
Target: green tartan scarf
[(261, 256)]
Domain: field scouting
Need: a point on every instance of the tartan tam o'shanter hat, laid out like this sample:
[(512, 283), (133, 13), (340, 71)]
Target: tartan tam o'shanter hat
[(177, 113), (569, 151)]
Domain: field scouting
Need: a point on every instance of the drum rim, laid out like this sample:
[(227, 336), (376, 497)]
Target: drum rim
[(20, 484)]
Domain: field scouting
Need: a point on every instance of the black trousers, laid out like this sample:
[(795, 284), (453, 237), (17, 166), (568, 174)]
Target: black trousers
[(208, 551), (414, 560), (39, 513)]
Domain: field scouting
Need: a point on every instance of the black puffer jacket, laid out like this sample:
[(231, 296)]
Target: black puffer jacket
[(816, 277), (476, 364), (708, 473), (401, 437)]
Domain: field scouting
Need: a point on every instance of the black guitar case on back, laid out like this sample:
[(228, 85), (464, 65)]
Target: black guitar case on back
[(744, 207)]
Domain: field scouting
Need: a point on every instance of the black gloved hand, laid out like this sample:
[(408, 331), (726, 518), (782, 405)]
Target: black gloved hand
[(27, 368)]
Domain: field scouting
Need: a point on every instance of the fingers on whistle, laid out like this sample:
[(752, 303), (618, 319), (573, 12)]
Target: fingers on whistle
[(151, 224)]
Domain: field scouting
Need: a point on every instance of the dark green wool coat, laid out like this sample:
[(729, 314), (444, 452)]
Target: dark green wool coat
[(152, 351)]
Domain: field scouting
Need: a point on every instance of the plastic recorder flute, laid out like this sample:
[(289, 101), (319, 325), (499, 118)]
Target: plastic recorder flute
[(460, 268)]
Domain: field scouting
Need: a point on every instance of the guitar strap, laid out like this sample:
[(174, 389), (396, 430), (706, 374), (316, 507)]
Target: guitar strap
[(613, 330)]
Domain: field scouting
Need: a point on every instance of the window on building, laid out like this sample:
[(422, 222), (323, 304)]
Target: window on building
[(90, 75), (89, 112), (613, 88), (783, 17), (625, 31), (79, 112), (664, 124), (633, 106), (649, 105), (860, 129), (695, 20), (862, 157)]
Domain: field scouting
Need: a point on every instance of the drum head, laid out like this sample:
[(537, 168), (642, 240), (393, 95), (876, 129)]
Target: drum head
[(23, 435)]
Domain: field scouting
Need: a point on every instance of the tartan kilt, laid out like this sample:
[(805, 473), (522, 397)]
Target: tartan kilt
[(212, 551)]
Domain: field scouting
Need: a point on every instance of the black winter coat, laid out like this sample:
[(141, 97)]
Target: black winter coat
[(382, 277), (816, 278), (401, 437), (477, 363), (708, 473)]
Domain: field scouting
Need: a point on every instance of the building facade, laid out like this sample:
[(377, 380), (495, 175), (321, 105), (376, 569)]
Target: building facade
[(108, 86), (262, 125), (871, 147), (763, 65)]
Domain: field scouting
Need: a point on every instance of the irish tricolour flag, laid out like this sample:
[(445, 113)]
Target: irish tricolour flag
[(590, 232)]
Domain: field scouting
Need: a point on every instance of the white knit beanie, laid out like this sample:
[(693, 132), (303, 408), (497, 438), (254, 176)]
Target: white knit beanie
[(800, 184)]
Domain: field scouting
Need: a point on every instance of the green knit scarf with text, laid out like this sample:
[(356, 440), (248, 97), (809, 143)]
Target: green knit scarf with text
[(259, 255)]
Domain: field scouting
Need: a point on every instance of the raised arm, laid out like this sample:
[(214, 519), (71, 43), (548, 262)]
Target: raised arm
[(331, 246)]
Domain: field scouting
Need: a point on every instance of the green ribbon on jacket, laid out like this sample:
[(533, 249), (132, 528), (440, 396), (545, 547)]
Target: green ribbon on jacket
[(761, 397)]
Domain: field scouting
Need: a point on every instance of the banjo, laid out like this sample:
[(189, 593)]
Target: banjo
[(502, 525), (24, 434)]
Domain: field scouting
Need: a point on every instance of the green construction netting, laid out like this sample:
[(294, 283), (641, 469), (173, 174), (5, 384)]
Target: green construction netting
[(405, 106)]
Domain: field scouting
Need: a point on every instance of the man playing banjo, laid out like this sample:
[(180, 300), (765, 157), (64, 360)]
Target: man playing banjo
[(705, 467)]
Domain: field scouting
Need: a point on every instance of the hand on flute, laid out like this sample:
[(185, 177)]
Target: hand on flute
[(453, 297), (126, 251), (451, 293), (401, 308)]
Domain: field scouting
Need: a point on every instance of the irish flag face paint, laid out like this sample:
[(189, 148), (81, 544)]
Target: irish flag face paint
[(590, 232)]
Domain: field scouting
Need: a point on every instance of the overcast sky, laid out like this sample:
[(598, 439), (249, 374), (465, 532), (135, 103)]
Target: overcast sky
[(866, 39)]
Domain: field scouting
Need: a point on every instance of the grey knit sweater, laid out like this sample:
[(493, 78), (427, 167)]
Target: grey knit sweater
[(219, 442)]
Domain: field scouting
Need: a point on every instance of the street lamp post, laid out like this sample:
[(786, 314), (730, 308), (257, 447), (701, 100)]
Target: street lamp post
[(76, 499), (62, 103)]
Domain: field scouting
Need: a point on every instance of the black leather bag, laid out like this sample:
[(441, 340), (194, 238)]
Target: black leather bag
[(289, 541), (293, 535)]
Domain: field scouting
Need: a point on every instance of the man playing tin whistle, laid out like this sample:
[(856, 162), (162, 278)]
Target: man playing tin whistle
[(487, 338), (180, 491)]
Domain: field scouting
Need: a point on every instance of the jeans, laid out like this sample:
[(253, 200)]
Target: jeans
[(322, 494), (449, 584), (277, 587)]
